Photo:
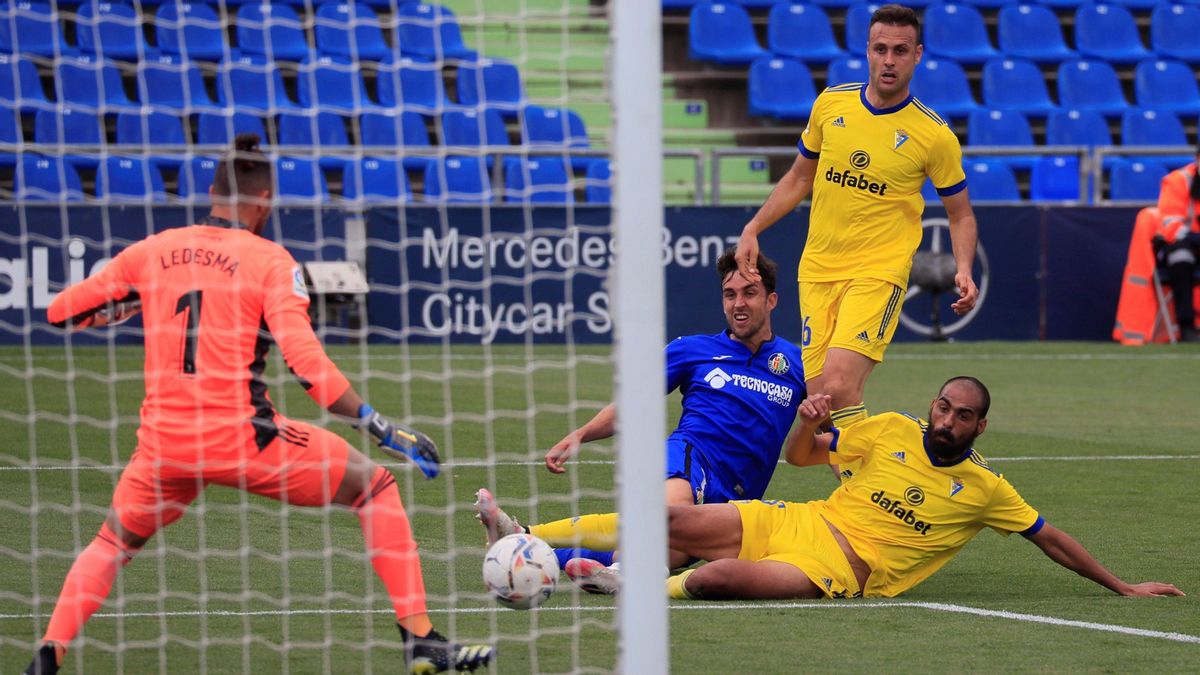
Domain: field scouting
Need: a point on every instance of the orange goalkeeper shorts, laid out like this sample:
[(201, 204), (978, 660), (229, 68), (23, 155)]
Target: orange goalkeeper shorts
[(303, 465)]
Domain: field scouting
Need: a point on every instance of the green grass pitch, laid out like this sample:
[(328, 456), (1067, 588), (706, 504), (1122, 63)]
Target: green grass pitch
[(244, 584)]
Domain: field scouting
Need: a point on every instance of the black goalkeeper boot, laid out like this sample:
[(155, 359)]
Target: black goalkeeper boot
[(45, 661), (435, 654)]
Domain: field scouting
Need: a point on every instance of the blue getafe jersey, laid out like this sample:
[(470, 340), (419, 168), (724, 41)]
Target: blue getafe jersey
[(737, 406)]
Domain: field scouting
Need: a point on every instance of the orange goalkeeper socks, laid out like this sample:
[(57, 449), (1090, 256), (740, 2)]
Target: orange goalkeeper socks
[(390, 544), (87, 585), (597, 531)]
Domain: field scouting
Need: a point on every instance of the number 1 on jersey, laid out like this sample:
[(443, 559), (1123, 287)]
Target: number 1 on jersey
[(189, 303)]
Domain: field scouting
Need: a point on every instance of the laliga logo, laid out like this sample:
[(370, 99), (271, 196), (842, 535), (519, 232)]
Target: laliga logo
[(18, 275), (717, 378)]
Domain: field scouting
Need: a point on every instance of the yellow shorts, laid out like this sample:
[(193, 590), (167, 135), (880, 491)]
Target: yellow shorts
[(796, 534), (856, 314)]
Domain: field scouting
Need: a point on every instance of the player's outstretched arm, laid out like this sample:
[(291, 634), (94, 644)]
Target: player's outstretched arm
[(394, 440), (601, 426), (964, 237), (795, 185), (804, 447), (1064, 550)]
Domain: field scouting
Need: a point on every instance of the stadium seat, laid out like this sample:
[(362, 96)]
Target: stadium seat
[(1090, 85), (1018, 85), (1136, 180), (556, 128), (195, 177), (413, 86), (30, 28), (300, 179), (41, 178), (1001, 128), (760, 4), (350, 29), (472, 127), (990, 180), (273, 30), (466, 181), (220, 128), (1108, 32), (842, 71), (1152, 127), (385, 128), (20, 86), (431, 32), (129, 179), (929, 193), (10, 132), (153, 129), (858, 26), (315, 129), (957, 31), (1054, 179), (375, 180), (172, 83), (68, 127), (491, 83), (598, 183), (941, 84), (1137, 4), (1173, 31), (109, 29), (332, 83), (538, 180), (252, 82), (781, 88), (190, 29), (1077, 127), (721, 32), (1063, 4), (802, 32), (1166, 85), (1031, 32), (91, 83)]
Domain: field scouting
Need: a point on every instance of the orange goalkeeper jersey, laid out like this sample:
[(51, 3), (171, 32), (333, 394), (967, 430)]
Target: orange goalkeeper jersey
[(214, 297)]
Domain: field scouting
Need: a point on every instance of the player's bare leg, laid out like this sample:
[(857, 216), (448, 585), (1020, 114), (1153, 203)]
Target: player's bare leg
[(844, 379), (707, 531), (746, 580)]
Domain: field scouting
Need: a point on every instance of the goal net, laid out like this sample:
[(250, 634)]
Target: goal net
[(446, 176)]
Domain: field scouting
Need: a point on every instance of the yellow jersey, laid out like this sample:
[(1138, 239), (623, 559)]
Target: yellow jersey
[(865, 220), (905, 512)]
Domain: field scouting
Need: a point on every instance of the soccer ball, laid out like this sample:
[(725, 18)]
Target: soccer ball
[(520, 571)]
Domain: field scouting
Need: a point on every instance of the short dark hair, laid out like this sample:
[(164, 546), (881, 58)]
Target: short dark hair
[(897, 15), (984, 394), (244, 170), (767, 269)]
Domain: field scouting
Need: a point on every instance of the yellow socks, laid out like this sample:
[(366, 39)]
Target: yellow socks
[(596, 531), (675, 586), (844, 417)]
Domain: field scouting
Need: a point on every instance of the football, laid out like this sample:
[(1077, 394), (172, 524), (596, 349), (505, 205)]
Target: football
[(520, 571)]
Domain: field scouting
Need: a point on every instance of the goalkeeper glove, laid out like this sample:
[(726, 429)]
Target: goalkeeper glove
[(401, 442)]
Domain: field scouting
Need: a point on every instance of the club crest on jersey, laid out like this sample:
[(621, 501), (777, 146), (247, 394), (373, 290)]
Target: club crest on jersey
[(901, 138), (778, 363), (956, 485), (298, 287)]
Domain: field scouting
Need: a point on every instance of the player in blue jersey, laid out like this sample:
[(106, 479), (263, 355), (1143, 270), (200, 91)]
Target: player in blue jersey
[(741, 389)]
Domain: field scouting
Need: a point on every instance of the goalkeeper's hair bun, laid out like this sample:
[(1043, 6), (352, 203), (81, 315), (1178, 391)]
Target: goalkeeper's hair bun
[(244, 169)]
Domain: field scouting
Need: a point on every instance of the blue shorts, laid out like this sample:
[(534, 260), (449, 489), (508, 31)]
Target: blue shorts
[(686, 462)]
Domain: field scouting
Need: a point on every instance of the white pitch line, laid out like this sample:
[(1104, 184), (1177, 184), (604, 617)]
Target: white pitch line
[(716, 606)]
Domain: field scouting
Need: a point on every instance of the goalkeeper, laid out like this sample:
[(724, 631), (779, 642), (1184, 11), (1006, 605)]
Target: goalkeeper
[(213, 298), (741, 389)]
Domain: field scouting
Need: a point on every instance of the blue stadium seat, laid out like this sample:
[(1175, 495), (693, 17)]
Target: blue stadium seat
[(556, 128), (109, 29), (1090, 85), (722, 32), (90, 83), (1137, 4), (1136, 180), (1152, 127), (1166, 85), (350, 29), (990, 180), (173, 83), (10, 132), (466, 181), (41, 178), (220, 127), (190, 29), (929, 193), (842, 71), (781, 88), (858, 26), (1173, 31), (300, 179), (68, 127), (30, 27), (20, 86), (1063, 4), (802, 32), (316, 129), (1054, 179), (273, 30), (252, 82), (153, 128), (491, 83), (1108, 32), (472, 127), (1077, 127), (956, 31), (129, 179), (760, 4), (1031, 32), (412, 86), (538, 180), (195, 177), (941, 84), (1001, 128), (332, 83), (375, 180), (598, 183), (431, 32), (386, 128), (1018, 85)]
